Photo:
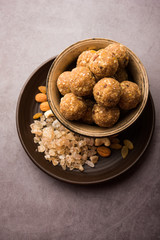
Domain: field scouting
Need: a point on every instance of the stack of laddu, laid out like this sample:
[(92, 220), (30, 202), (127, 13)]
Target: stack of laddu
[(97, 89)]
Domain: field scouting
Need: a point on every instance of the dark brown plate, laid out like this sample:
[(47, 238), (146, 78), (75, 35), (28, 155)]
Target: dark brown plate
[(107, 168)]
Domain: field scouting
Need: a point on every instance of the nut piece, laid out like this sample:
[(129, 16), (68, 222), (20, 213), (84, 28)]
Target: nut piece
[(124, 151), (94, 159), (37, 115), (103, 151), (116, 146), (42, 89), (48, 114), (41, 97), (128, 144), (115, 140), (101, 141), (44, 106), (89, 163)]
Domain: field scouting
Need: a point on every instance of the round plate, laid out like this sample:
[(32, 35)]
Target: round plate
[(107, 168)]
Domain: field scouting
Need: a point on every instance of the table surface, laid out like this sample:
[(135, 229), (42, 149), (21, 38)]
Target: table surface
[(32, 204)]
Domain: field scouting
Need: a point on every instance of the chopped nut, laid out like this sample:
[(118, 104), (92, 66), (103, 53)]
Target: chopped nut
[(41, 148), (81, 168), (55, 162), (94, 159), (89, 163)]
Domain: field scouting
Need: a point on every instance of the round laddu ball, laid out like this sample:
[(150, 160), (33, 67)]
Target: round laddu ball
[(87, 118), (103, 64), (107, 92), (105, 117), (72, 107), (120, 52), (82, 82), (130, 96), (84, 58), (63, 82), (121, 75)]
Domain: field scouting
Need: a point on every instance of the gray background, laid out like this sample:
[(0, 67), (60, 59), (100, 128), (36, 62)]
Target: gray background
[(32, 204)]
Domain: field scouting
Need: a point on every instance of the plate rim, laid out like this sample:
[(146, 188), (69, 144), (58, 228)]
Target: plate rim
[(62, 178)]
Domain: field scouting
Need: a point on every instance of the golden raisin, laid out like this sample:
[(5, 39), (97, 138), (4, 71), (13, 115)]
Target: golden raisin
[(37, 115), (124, 151), (128, 144)]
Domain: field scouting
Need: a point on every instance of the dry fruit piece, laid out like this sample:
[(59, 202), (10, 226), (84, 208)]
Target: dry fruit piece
[(48, 114), (115, 140), (44, 106), (128, 144), (42, 89), (101, 141), (89, 163), (124, 151), (37, 115), (103, 151), (41, 97), (115, 146), (94, 159)]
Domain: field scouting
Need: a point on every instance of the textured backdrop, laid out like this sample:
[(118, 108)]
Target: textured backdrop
[(34, 206)]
